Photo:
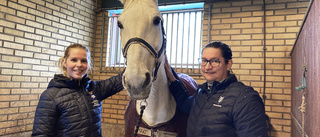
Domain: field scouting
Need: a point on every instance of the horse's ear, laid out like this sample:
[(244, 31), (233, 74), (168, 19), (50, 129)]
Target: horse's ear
[(122, 1), (156, 2)]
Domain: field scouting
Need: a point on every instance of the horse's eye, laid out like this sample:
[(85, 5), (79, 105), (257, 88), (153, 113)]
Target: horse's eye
[(156, 20), (120, 25)]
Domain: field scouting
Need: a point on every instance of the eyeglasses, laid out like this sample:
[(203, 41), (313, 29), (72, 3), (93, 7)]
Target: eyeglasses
[(212, 62)]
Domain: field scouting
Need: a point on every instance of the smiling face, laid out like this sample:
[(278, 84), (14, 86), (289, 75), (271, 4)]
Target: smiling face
[(217, 73), (76, 63)]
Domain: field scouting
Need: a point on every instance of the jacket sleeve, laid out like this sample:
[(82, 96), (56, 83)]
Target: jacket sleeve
[(45, 116), (249, 115), (183, 100), (108, 87)]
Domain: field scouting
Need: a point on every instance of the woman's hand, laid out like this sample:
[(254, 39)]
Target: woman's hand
[(168, 70)]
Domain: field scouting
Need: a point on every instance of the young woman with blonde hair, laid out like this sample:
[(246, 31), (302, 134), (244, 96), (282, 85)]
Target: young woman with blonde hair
[(71, 105)]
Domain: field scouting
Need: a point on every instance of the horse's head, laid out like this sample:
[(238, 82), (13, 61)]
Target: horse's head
[(142, 41)]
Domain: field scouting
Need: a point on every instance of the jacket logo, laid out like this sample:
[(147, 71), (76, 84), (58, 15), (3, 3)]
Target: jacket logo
[(95, 101), (219, 101), (92, 95)]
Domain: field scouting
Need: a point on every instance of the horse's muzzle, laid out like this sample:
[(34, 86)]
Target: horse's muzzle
[(138, 87)]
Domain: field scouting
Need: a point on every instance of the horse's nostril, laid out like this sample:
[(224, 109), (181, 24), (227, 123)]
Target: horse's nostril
[(148, 79)]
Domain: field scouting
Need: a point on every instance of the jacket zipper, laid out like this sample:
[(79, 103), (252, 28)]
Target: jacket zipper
[(81, 109), (88, 108), (208, 98), (201, 112)]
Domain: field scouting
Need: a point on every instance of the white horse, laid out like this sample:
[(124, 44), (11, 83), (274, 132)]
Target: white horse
[(143, 44)]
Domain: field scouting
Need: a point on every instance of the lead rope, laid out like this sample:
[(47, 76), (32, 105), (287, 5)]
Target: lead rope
[(302, 108), (142, 108)]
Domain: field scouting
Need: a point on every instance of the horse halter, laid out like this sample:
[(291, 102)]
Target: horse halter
[(146, 45)]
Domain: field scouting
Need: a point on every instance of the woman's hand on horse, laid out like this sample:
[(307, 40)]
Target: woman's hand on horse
[(168, 70)]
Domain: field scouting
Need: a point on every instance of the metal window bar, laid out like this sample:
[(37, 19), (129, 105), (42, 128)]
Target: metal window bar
[(183, 29)]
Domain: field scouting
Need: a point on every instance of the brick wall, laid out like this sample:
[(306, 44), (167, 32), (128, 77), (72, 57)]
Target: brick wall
[(33, 36)]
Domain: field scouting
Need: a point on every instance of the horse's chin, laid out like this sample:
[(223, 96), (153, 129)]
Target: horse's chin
[(138, 94)]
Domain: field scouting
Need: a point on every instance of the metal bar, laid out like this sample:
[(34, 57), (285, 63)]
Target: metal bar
[(182, 41), (171, 34), (188, 49), (177, 32), (200, 41), (119, 51), (109, 36), (194, 40), (264, 53), (167, 33), (108, 51), (180, 11), (115, 49)]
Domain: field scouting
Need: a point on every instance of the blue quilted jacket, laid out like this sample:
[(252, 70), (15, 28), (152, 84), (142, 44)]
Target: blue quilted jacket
[(69, 108), (231, 109)]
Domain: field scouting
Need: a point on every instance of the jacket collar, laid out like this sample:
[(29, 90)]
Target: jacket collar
[(220, 85), (60, 81)]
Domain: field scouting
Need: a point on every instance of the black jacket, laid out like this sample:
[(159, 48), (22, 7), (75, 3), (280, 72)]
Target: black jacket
[(69, 108), (230, 110)]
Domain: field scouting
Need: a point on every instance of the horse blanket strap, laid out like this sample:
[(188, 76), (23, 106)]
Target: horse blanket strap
[(155, 133)]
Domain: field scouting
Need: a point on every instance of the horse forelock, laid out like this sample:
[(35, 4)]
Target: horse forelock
[(150, 4), (125, 1)]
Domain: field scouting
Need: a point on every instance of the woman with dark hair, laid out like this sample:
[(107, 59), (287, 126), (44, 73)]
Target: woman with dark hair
[(222, 106), (71, 105)]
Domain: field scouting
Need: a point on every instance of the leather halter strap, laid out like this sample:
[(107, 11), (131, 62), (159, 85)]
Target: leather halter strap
[(142, 43), (147, 46)]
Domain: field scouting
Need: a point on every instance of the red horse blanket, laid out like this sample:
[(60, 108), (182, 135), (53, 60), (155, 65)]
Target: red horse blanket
[(176, 127)]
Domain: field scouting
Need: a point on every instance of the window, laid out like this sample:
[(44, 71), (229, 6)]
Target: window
[(184, 32)]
